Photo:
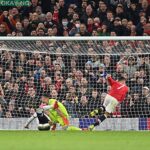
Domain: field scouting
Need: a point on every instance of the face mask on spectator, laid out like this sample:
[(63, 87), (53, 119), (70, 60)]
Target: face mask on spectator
[(64, 23), (77, 25)]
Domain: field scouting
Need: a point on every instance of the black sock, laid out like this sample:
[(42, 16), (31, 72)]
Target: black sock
[(101, 118), (96, 124), (101, 110)]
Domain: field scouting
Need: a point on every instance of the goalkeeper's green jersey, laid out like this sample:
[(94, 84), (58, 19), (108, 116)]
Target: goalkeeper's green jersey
[(53, 113)]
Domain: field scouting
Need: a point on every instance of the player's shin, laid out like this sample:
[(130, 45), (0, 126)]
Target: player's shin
[(99, 111), (72, 128), (98, 121)]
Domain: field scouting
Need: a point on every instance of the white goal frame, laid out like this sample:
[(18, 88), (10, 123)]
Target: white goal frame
[(110, 124)]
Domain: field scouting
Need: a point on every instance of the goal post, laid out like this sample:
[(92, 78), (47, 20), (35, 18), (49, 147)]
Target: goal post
[(73, 71)]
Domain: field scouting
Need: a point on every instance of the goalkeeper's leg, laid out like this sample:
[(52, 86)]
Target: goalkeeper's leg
[(73, 128), (64, 122)]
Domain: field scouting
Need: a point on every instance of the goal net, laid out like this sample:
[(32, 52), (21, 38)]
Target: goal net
[(73, 71)]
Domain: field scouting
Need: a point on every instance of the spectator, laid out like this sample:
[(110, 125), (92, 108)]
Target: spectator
[(39, 68), (131, 67), (1, 73), (62, 9), (119, 71), (47, 84), (1, 94), (102, 11), (71, 101), (54, 94), (1, 111), (69, 83), (83, 30), (145, 102), (8, 114), (7, 77), (78, 77), (36, 72), (49, 22), (59, 61), (83, 89), (87, 14), (71, 96), (94, 14), (94, 100), (83, 107), (48, 66), (26, 27), (3, 31)]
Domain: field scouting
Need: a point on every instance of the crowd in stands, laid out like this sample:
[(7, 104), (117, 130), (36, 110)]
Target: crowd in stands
[(78, 81), (77, 18)]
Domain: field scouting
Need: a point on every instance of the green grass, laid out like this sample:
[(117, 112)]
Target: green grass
[(61, 140)]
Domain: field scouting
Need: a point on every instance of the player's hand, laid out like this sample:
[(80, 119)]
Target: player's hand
[(108, 76)]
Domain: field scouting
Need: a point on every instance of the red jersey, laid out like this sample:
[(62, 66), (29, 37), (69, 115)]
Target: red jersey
[(117, 90)]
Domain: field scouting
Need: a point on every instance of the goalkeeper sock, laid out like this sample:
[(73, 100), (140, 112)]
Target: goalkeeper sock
[(101, 119), (72, 128)]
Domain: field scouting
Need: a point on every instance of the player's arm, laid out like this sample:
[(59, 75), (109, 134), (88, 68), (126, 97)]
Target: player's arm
[(110, 80), (54, 106), (30, 120)]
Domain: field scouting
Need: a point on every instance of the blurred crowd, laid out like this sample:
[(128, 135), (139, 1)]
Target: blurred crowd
[(76, 80), (77, 18)]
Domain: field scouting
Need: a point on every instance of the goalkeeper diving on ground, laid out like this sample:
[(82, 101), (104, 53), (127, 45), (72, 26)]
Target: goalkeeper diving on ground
[(51, 113), (115, 96)]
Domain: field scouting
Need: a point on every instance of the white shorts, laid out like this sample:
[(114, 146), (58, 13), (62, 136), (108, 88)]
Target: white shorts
[(110, 103)]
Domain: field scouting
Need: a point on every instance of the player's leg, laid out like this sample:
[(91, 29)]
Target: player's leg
[(43, 120), (98, 111), (102, 109), (110, 104), (64, 122), (73, 128)]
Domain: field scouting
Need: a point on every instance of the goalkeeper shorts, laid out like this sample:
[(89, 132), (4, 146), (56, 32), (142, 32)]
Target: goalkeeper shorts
[(110, 103)]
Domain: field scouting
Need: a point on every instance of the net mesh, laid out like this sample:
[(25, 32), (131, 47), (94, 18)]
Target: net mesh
[(73, 72)]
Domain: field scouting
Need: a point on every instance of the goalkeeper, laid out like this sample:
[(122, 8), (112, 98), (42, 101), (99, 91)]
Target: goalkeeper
[(57, 112)]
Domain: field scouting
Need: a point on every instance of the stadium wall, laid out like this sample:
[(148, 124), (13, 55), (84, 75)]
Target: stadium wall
[(115, 124)]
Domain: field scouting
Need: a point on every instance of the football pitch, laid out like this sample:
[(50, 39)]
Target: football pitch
[(69, 140)]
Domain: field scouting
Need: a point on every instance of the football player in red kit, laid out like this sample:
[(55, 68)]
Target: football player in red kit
[(115, 96)]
